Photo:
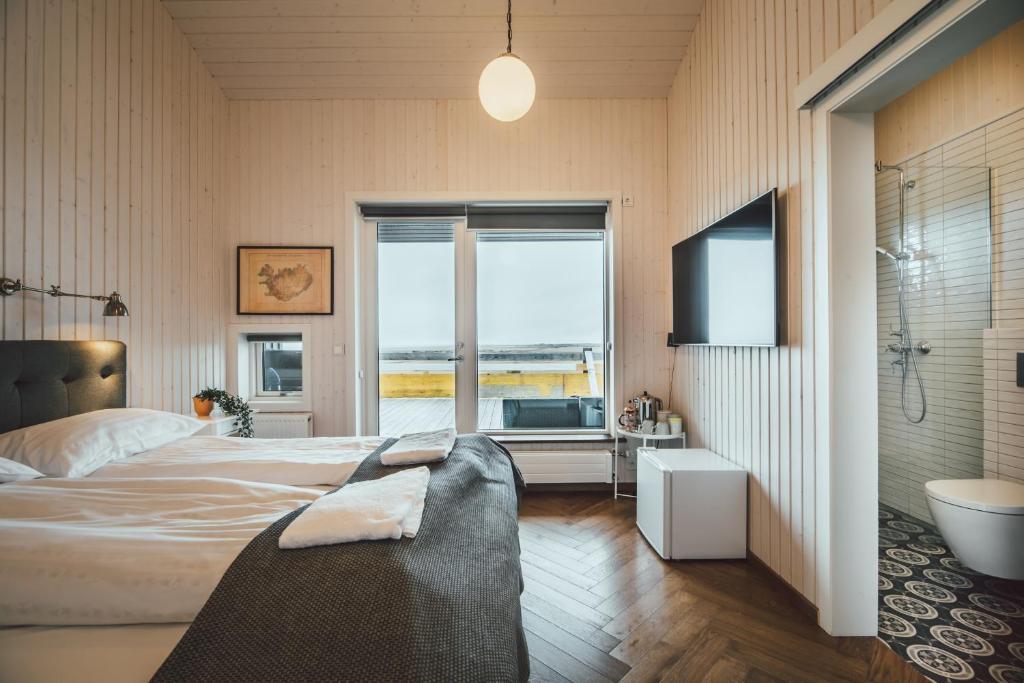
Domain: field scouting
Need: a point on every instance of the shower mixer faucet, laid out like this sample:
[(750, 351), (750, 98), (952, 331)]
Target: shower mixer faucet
[(922, 347)]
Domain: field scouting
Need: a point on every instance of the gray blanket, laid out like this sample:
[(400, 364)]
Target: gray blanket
[(443, 606)]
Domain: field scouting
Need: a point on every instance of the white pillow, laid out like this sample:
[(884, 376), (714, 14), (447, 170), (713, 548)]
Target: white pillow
[(75, 446), (15, 471)]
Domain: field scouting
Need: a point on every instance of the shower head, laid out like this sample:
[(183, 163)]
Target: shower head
[(882, 252), (902, 256)]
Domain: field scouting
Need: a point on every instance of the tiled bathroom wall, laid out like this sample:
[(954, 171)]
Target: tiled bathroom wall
[(1004, 405), (947, 284)]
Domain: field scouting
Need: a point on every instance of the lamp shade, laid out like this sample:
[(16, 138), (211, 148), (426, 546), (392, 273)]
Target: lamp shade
[(115, 307), (507, 88)]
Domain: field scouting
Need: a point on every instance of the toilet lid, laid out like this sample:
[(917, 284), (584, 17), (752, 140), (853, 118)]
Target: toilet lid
[(987, 495)]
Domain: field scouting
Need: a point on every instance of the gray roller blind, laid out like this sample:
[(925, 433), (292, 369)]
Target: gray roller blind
[(536, 216), (281, 337), (413, 210)]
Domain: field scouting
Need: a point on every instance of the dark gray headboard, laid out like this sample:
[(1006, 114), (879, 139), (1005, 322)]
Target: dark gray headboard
[(46, 380)]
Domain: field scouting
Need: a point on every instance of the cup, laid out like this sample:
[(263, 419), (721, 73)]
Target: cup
[(675, 424), (663, 415), (647, 427), (661, 429)]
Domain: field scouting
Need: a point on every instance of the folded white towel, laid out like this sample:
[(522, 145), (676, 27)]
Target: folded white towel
[(389, 507), (420, 447)]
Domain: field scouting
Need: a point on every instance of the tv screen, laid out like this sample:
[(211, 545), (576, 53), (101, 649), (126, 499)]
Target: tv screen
[(724, 290)]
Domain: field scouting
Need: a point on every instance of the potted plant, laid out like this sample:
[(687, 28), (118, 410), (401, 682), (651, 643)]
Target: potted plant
[(202, 406), (230, 404)]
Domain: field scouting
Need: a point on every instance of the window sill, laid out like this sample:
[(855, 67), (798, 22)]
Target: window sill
[(271, 406), (551, 438)]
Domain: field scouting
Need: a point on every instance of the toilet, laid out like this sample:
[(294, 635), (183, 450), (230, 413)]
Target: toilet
[(982, 520)]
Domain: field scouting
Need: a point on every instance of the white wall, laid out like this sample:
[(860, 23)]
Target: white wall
[(290, 165), (110, 126)]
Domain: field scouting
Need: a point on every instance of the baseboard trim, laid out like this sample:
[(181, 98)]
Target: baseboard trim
[(801, 601)]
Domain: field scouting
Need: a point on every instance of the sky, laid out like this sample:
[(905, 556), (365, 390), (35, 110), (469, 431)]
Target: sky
[(527, 293)]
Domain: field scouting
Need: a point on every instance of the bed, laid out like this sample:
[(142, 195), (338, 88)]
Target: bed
[(442, 606)]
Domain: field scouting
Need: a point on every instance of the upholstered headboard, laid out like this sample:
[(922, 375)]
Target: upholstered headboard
[(46, 380)]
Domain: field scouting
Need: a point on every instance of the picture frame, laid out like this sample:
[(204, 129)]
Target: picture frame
[(284, 280)]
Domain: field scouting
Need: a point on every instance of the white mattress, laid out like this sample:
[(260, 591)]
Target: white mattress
[(86, 654), (322, 461), (133, 652), (130, 653), (126, 551)]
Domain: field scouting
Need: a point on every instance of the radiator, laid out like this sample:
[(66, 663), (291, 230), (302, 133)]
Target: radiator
[(282, 425), (564, 467)]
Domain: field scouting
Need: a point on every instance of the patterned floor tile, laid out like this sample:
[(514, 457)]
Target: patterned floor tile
[(950, 622)]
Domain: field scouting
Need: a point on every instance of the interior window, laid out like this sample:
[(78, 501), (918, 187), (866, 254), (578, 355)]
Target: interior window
[(276, 364)]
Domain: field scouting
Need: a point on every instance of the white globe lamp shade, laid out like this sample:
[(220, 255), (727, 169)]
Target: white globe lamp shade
[(507, 88)]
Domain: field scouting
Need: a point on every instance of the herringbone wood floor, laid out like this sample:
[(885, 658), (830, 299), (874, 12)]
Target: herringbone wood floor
[(600, 605)]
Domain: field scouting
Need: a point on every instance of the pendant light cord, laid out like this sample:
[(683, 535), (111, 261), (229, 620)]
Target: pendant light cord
[(508, 18)]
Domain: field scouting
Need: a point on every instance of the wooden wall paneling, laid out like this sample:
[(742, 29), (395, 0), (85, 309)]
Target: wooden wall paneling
[(732, 135), (100, 99), (978, 88), (14, 157), (68, 33), (33, 255), (51, 115), (83, 170), (285, 184), (5, 259)]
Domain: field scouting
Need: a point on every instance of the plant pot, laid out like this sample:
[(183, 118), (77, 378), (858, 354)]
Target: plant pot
[(203, 407)]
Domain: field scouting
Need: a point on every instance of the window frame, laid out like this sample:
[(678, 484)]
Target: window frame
[(241, 379), (365, 371), (607, 334), (256, 370)]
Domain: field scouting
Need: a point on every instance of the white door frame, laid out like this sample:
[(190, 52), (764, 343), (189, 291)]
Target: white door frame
[(845, 306), (360, 297)]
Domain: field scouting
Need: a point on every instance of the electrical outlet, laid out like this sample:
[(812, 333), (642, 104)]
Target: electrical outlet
[(627, 200)]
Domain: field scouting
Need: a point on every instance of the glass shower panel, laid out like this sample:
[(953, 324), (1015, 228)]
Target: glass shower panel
[(946, 248)]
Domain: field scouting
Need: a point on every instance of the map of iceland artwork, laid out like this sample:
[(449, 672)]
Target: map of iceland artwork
[(285, 280)]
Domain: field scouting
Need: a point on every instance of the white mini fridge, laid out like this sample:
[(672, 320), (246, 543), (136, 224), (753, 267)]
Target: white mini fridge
[(691, 504)]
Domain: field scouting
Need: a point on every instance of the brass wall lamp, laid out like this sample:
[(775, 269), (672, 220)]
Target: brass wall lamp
[(112, 304)]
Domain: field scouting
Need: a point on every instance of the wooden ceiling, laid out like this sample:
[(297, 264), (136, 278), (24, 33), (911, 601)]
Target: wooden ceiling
[(301, 49)]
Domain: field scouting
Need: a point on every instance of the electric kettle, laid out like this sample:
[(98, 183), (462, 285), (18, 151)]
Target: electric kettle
[(647, 407)]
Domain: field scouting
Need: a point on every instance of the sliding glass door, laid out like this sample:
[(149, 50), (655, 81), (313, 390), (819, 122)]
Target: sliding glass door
[(492, 330)]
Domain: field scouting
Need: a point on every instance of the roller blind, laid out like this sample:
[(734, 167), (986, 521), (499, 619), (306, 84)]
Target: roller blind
[(536, 216), (489, 215), (413, 210), (274, 337)]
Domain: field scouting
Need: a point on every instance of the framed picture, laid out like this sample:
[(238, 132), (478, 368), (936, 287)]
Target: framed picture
[(285, 280)]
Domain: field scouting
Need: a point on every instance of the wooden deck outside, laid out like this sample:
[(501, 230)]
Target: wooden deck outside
[(403, 415)]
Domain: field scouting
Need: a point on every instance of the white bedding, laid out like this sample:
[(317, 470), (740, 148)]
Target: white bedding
[(88, 654), (297, 462), (126, 551)]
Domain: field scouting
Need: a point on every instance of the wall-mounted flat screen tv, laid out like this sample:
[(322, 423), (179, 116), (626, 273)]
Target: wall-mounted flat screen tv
[(725, 280)]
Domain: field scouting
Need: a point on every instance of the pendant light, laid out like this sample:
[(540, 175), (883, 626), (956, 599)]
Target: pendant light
[(507, 87)]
